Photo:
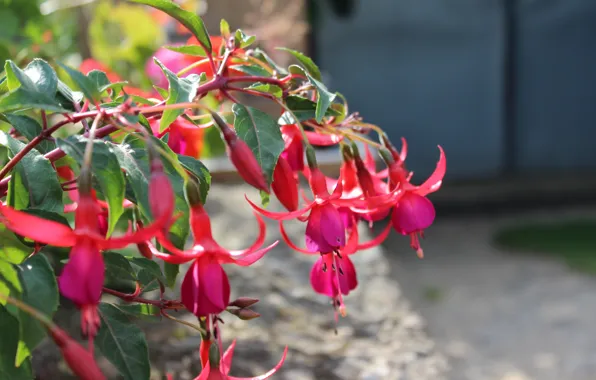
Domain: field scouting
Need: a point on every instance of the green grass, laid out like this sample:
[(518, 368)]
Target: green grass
[(572, 241)]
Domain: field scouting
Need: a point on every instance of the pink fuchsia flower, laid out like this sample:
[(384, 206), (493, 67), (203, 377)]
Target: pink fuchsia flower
[(221, 372), (82, 278), (205, 288), (294, 144), (415, 212)]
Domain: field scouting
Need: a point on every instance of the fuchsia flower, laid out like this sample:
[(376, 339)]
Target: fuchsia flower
[(285, 184), (82, 278), (184, 137), (221, 372), (205, 288), (294, 149), (414, 212)]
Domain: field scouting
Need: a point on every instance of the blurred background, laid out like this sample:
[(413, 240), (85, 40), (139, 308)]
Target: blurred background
[(507, 87)]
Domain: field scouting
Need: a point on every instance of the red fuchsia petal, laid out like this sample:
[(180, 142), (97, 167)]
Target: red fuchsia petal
[(375, 216), (226, 361), (318, 183), (82, 278), (294, 151), (413, 213), (268, 374), (347, 216), (321, 139), (280, 215), (369, 160), (143, 234), (434, 182), (215, 284), (322, 280), (325, 231), (404, 150), (175, 258), (285, 185), (352, 245), (79, 360), (161, 194), (206, 373), (200, 296), (348, 280), (36, 228), (377, 240), (249, 258), (290, 243), (337, 191)]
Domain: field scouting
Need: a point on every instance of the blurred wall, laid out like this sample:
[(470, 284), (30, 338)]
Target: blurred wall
[(432, 71)]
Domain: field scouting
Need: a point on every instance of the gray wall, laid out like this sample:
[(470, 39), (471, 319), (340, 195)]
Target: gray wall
[(431, 71)]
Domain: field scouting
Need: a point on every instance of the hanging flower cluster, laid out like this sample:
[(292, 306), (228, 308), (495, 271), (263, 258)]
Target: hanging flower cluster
[(147, 180)]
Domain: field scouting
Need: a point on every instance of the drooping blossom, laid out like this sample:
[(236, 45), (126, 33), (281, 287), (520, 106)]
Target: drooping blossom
[(82, 277), (212, 371), (79, 360), (206, 289), (414, 212), (184, 137)]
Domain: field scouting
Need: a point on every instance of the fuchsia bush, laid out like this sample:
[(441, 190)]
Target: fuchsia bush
[(133, 166)]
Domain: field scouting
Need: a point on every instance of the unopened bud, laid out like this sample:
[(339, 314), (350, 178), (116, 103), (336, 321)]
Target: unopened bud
[(247, 165), (243, 302), (285, 185), (245, 314), (78, 359), (145, 250), (387, 144), (228, 133)]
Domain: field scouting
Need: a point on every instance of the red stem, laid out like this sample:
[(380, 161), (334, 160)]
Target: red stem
[(162, 304)]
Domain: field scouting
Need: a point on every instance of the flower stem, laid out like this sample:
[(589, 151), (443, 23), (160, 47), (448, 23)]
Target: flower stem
[(47, 322)]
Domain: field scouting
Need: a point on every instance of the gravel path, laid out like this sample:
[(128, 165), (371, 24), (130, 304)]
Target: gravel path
[(498, 315)]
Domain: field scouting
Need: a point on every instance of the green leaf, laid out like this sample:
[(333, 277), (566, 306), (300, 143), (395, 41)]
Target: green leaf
[(324, 98), (162, 91), (18, 195), (242, 40), (200, 171), (171, 271), (9, 325), (119, 274), (37, 175), (180, 90), (29, 128), (140, 310), (9, 280), (190, 20), (87, 85), (34, 87), (254, 70), (40, 291), (135, 164), (303, 108), (12, 249), (263, 57), (308, 63), (151, 268), (262, 135), (122, 343), (224, 28), (101, 82), (10, 24), (194, 50), (268, 88), (67, 96), (105, 168)]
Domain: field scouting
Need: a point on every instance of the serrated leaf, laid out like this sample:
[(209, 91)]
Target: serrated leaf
[(40, 291), (193, 50), (29, 128), (261, 133), (34, 87), (180, 90), (254, 70), (190, 20), (119, 274), (308, 63), (37, 175), (200, 171), (101, 82), (105, 168), (9, 325), (122, 343), (86, 85), (268, 88), (304, 109), (171, 271)]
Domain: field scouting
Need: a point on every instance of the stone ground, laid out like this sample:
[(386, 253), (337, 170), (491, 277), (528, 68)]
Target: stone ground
[(495, 314)]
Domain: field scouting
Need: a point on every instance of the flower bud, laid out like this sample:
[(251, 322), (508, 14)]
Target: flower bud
[(161, 194), (78, 359), (243, 302), (245, 314), (145, 250), (247, 165), (285, 185)]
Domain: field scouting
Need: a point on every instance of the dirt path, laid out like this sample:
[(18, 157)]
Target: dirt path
[(498, 315)]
